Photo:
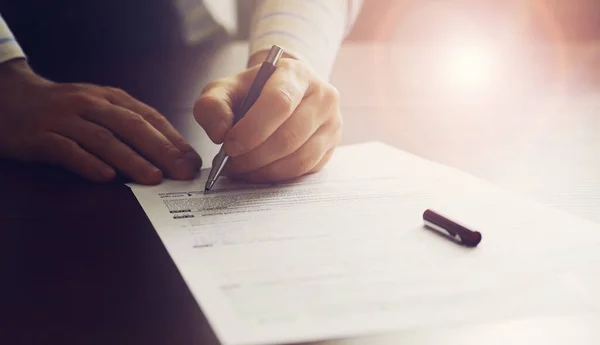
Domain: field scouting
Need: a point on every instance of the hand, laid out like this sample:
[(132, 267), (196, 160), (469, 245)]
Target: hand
[(93, 131), (292, 129)]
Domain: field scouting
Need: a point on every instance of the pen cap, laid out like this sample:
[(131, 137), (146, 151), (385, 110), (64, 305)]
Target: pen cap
[(468, 237)]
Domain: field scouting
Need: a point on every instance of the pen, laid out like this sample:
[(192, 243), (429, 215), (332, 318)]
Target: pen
[(264, 73), (458, 232)]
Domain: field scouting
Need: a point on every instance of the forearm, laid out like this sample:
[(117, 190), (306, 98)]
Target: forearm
[(9, 48), (307, 30)]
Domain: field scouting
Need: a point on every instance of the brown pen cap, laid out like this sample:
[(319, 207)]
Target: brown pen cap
[(466, 236)]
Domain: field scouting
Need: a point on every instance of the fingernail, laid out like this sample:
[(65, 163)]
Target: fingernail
[(107, 173), (193, 157), (153, 175), (187, 148)]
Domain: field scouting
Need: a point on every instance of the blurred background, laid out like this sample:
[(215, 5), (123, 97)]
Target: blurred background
[(558, 23), (543, 20), (504, 89)]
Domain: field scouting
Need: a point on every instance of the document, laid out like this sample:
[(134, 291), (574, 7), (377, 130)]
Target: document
[(343, 252)]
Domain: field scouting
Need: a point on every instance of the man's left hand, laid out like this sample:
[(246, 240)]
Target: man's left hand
[(292, 129)]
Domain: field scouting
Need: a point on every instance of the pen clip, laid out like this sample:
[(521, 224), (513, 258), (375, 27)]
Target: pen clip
[(444, 232)]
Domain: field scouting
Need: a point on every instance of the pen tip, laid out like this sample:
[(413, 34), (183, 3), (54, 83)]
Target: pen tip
[(209, 185)]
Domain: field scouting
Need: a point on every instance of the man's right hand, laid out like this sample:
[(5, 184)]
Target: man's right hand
[(91, 130)]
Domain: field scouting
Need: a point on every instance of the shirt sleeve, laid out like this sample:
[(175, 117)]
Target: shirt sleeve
[(9, 48), (309, 30)]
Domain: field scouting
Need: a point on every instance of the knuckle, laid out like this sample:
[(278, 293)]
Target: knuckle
[(115, 95), (82, 100), (289, 140), (132, 159), (72, 87), (337, 122), (156, 119), (303, 164), (135, 121), (116, 91), (168, 150), (297, 68), (102, 135), (283, 99), (161, 121), (331, 94), (152, 112), (292, 65)]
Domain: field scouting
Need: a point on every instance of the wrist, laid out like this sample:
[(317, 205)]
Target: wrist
[(19, 69), (18, 65)]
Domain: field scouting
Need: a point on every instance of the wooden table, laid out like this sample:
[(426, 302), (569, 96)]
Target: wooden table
[(81, 263)]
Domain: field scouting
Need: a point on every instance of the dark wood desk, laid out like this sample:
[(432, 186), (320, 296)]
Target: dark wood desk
[(81, 264)]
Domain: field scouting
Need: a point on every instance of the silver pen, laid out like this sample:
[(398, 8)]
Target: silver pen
[(264, 73)]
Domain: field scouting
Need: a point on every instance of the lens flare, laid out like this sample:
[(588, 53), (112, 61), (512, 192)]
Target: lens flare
[(470, 66)]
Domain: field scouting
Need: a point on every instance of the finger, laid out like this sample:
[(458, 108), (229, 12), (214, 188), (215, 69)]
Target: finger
[(213, 110), (279, 98), (298, 163), (289, 137), (101, 142), (62, 151), (135, 131), (124, 100)]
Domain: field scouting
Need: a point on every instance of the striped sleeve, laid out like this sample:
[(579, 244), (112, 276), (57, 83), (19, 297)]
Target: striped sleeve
[(309, 30), (9, 48)]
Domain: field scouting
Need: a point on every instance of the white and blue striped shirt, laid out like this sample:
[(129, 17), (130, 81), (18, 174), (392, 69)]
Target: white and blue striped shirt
[(311, 30), (9, 48)]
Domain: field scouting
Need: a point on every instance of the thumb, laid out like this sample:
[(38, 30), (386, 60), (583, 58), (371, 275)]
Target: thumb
[(213, 109)]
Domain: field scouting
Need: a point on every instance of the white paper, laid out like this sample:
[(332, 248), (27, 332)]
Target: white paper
[(344, 252)]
